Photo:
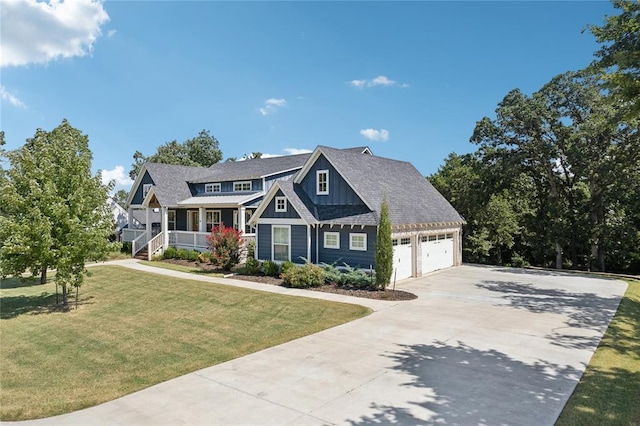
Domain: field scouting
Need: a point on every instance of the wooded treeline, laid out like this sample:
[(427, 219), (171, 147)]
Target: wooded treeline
[(555, 180)]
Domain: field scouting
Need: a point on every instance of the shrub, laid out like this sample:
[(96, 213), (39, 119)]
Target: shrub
[(194, 255), (518, 261), (252, 266), (309, 275), (182, 254), (204, 257), (285, 266), (225, 244), (357, 278), (332, 275), (251, 249), (126, 247), (170, 253), (384, 247), (270, 268)]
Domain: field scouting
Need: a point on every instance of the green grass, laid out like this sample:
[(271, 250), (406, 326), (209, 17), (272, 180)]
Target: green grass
[(609, 391), (133, 330), (181, 268)]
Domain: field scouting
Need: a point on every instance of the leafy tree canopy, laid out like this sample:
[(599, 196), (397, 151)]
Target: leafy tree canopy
[(53, 212), (202, 150)]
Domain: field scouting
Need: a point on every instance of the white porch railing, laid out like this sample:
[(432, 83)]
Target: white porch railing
[(129, 235), (155, 245), (195, 240), (139, 243)]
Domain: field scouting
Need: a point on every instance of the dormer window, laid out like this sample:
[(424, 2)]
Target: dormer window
[(281, 204), (211, 187), (322, 182), (242, 186)]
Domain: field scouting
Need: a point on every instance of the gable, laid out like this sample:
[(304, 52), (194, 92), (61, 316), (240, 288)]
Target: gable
[(137, 196), (340, 192), (270, 209)]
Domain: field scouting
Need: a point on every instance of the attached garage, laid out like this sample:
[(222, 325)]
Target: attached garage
[(402, 258), (437, 252)]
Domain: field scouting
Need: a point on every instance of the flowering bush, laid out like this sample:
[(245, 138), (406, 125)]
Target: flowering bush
[(225, 244)]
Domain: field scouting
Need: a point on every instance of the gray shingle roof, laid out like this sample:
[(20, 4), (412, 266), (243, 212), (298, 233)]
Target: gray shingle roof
[(411, 197), (252, 169), (171, 181)]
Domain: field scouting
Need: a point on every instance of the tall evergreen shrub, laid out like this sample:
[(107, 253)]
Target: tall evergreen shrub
[(384, 248)]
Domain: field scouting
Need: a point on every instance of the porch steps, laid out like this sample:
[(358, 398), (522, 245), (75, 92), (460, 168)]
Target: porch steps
[(142, 254)]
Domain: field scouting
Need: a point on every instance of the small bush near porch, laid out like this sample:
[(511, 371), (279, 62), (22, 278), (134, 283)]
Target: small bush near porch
[(133, 330)]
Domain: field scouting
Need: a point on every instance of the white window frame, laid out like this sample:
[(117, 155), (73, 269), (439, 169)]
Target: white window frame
[(283, 208), (210, 188), (357, 234), (145, 189), (248, 229), (273, 244), (213, 223), (171, 224), (326, 182), (332, 246), (241, 184)]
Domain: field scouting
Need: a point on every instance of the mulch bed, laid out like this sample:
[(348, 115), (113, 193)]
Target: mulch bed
[(392, 295)]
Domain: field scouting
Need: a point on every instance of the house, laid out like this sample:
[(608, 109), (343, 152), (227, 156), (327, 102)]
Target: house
[(322, 207)]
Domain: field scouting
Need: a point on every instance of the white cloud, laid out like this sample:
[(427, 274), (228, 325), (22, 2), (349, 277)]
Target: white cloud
[(111, 33), (295, 151), (380, 80), (381, 135), (118, 174), (272, 105), (5, 95), (36, 32)]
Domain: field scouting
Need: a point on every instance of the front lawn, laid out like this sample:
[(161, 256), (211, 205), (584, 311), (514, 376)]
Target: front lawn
[(609, 391), (133, 330)]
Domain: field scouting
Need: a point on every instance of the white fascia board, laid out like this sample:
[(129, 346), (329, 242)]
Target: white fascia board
[(147, 199), (265, 202), (280, 221), (135, 185), (307, 166), (281, 171)]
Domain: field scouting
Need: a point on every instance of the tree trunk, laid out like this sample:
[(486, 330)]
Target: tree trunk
[(65, 299), (558, 255), (43, 274)]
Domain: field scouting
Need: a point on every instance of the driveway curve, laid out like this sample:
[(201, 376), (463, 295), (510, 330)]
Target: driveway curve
[(480, 345)]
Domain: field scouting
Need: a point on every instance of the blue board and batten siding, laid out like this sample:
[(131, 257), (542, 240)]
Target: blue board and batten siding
[(353, 258), (298, 239), (138, 198), (270, 210), (340, 193)]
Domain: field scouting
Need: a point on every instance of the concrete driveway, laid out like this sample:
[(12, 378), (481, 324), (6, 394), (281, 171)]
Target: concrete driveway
[(480, 345)]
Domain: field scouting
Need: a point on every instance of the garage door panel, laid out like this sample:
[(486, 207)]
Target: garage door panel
[(436, 255), (402, 261)]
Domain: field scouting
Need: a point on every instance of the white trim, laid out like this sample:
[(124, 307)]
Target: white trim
[(175, 218), (150, 194), (136, 185), (282, 209), (255, 219), (324, 239), (273, 228), (352, 247), (212, 187), (318, 173), (279, 221), (213, 224), (280, 172), (241, 183), (146, 187)]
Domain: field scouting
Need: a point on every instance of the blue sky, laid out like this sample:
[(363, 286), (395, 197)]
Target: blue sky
[(408, 79)]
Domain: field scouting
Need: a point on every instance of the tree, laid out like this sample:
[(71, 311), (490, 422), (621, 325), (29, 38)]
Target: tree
[(225, 244), (202, 150), (501, 224), (120, 197), (384, 247), (53, 212), (619, 55)]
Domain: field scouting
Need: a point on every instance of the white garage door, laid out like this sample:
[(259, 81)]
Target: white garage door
[(402, 258), (437, 252)]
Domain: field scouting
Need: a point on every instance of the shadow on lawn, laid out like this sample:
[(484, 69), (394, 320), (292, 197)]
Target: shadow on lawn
[(8, 283), (587, 312), (458, 384)]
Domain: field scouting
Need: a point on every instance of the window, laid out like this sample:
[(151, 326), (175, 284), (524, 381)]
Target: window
[(441, 236), (449, 236), (171, 220), (281, 243), (405, 241), (281, 204), (332, 240), (248, 229), (212, 219), (211, 187), (145, 189), (242, 186), (394, 242), (322, 182), (358, 242), (433, 237)]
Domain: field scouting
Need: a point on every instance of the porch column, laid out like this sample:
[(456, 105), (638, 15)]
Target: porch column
[(241, 224), (148, 223), (165, 227), (202, 225)]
